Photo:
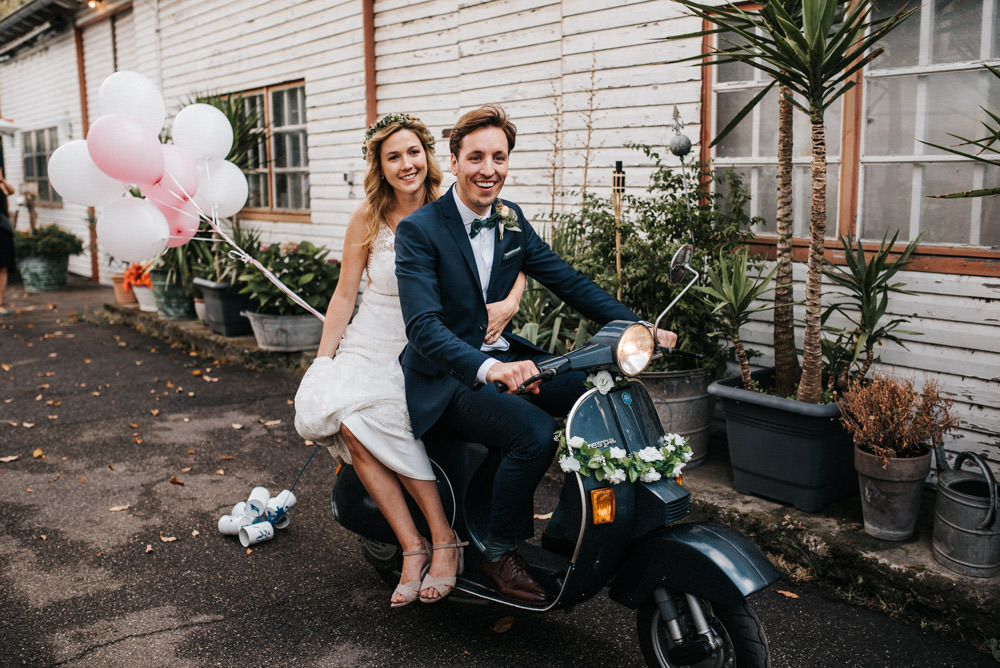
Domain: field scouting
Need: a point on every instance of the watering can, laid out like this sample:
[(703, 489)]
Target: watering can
[(966, 523)]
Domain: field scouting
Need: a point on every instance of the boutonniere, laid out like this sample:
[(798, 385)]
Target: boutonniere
[(507, 219)]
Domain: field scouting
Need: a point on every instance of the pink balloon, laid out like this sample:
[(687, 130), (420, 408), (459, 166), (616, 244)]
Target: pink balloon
[(125, 149), (180, 172), (182, 217)]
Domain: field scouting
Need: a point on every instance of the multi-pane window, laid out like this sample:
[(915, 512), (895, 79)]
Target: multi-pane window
[(38, 148), (929, 82), (278, 166)]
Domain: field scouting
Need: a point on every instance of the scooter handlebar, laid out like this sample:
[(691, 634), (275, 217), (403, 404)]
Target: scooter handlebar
[(677, 351), (523, 387)]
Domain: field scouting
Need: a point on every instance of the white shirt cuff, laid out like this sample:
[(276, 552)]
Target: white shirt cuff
[(485, 367)]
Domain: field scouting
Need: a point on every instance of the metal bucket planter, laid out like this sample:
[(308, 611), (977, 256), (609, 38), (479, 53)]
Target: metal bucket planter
[(890, 497), (684, 406), (966, 524), (172, 303), (285, 332), (43, 274)]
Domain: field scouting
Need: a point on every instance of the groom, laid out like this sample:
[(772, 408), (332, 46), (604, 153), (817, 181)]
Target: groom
[(453, 258)]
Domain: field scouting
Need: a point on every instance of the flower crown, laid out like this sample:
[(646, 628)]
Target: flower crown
[(388, 119)]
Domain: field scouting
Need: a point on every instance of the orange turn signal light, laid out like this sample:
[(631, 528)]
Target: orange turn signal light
[(602, 504)]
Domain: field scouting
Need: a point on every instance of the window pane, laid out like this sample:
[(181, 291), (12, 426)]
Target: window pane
[(946, 220), (723, 189), (739, 141), (902, 44), (732, 71), (956, 106), (258, 190), (957, 30), (802, 199), (802, 131), (989, 232), (890, 116), (277, 109), (887, 191)]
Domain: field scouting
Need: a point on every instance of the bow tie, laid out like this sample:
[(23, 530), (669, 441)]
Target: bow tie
[(483, 223)]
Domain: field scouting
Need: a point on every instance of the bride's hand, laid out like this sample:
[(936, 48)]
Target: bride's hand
[(500, 314)]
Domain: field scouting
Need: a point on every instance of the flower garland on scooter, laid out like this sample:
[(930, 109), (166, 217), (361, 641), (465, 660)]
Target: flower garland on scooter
[(616, 465)]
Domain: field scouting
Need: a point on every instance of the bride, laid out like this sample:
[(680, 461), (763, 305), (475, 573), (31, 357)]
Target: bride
[(351, 398)]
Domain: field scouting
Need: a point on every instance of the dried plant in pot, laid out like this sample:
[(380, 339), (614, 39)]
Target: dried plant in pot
[(894, 426)]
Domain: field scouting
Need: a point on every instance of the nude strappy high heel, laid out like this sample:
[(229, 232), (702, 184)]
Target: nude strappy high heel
[(411, 590), (444, 585)]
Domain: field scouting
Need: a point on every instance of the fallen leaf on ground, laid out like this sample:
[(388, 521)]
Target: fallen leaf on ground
[(185, 469), (43, 537), (503, 625), (9, 458), (6, 367), (220, 472), (117, 509), (226, 457), (195, 532), (27, 425), (58, 475), (270, 423), (138, 441), (190, 452), (175, 481), (38, 453), (167, 539), (543, 516), (111, 466), (154, 412), (149, 548), (249, 550), (133, 425), (786, 594), (53, 402), (237, 426), (95, 394)]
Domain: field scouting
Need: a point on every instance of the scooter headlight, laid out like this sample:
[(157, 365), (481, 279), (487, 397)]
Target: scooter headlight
[(635, 349)]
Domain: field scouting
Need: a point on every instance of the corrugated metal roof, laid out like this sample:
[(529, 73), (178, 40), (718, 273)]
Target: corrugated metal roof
[(32, 15)]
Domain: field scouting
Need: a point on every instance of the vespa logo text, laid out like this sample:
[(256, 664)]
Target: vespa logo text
[(602, 444)]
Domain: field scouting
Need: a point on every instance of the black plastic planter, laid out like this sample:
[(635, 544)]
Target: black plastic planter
[(783, 449), (223, 307)]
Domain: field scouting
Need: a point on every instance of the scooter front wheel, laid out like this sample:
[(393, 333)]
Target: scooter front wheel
[(386, 558), (737, 635)]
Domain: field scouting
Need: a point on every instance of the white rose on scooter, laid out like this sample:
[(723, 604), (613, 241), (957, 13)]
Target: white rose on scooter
[(568, 463), (650, 476), (650, 454), (616, 476), (603, 381)]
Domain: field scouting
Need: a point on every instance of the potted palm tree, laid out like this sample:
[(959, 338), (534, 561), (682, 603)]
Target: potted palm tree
[(811, 51)]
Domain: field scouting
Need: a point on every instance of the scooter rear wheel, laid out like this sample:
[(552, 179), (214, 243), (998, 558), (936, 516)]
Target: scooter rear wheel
[(738, 631), (386, 558)]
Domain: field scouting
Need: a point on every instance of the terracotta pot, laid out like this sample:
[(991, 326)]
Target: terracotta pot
[(123, 295)]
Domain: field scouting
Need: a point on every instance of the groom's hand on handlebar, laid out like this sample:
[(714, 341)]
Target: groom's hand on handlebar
[(512, 374), (665, 338)]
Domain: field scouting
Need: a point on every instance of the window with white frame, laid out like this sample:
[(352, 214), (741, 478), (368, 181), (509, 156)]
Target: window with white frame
[(929, 82), (38, 148), (278, 166)]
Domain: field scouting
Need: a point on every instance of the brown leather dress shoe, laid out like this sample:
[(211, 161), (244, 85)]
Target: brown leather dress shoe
[(510, 577)]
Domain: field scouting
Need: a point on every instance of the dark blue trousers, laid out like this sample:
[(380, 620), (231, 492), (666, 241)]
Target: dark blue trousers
[(522, 427)]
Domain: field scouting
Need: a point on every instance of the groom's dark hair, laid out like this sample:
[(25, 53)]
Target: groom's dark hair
[(488, 116)]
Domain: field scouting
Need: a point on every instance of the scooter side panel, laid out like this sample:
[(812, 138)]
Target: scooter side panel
[(709, 560)]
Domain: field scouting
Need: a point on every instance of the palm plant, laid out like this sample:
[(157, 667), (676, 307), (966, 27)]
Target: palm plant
[(813, 55)]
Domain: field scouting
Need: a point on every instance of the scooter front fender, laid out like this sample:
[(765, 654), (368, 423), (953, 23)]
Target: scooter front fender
[(706, 559)]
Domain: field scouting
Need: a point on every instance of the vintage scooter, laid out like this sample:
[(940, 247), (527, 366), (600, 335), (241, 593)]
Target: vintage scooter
[(689, 581)]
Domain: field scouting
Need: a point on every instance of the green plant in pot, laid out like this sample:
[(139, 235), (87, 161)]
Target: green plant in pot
[(894, 427), (43, 256), (278, 322), (218, 280), (172, 273)]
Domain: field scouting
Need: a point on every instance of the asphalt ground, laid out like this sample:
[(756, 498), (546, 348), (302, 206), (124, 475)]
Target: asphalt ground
[(119, 454)]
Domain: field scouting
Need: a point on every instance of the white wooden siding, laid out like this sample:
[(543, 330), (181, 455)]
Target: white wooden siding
[(554, 64)]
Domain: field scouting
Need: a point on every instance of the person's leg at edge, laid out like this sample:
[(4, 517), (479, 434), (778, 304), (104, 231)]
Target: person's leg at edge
[(384, 488), (3, 288), (444, 562)]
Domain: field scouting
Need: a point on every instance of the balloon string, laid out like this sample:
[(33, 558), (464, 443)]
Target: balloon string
[(239, 254)]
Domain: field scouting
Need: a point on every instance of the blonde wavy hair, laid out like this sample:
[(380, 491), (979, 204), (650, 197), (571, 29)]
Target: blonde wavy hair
[(379, 193)]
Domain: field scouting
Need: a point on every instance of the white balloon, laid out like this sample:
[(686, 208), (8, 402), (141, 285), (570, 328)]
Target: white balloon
[(132, 230), (77, 179), (131, 93), (204, 131), (222, 186)]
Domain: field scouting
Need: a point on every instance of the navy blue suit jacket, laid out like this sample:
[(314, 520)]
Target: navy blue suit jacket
[(443, 305)]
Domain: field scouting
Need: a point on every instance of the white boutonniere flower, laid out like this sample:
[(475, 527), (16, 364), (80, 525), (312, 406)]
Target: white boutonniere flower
[(603, 381)]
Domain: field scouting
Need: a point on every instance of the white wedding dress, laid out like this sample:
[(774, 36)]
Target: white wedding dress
[(362, 386)]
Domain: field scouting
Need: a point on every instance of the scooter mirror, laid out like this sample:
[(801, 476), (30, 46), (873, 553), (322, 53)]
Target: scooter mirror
[(679, 263)]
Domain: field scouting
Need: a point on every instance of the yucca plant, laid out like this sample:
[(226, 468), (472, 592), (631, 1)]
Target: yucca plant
[(867, 284), (813, 54), (732, 291)]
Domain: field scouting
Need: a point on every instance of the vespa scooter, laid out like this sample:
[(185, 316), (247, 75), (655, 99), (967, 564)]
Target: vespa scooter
[(688, 581)]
